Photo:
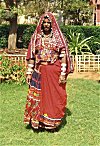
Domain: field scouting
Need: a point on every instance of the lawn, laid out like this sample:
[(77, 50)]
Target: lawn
[(79, 128)]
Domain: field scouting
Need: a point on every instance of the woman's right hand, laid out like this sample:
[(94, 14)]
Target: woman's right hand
[(28, 78)]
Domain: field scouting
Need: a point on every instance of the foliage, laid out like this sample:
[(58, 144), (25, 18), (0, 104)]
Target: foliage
[(86, 31), (73, 10), (35, 7), (78, 46), (12, 71), (4, 32), (3, 41), (27, 35), (25, 32), (8, 14), (77, 12), (80, 126)]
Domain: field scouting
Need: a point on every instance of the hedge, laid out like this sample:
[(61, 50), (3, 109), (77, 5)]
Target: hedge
[(25, 31)]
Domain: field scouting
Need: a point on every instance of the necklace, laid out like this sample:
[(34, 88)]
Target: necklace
[(46, 40)]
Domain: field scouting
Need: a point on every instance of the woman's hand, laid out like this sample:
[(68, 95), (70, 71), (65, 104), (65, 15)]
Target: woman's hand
[(62, 79), (28, 78)]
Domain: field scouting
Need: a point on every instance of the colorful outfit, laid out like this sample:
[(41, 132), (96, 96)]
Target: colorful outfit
[(46, 100)]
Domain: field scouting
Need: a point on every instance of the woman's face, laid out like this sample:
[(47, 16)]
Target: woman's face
[(46, 25)]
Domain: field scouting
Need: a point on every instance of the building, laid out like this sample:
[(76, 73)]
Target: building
[(96, 11)]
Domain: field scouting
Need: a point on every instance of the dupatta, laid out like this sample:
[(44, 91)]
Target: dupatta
[(61, 42)]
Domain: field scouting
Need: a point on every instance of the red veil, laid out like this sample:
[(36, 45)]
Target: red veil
[(60, 40)]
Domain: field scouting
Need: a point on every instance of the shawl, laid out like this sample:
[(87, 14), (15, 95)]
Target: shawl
[(58, 35)]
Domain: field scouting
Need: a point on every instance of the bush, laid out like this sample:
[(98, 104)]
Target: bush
[(86, 31), (25, 32), (4, 32), (11, 71)]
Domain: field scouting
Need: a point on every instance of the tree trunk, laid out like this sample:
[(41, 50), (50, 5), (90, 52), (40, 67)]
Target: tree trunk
[(12, 34)]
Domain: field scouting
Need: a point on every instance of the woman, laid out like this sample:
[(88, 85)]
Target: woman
[(48, 66)]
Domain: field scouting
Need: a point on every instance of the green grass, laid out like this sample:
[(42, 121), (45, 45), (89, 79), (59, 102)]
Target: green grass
[(79, 128)]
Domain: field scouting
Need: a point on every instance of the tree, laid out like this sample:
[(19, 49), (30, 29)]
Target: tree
[(9, 13), (76, 12), (10, 10)]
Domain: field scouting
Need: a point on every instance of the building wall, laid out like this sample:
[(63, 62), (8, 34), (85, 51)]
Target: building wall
[(96, 11)]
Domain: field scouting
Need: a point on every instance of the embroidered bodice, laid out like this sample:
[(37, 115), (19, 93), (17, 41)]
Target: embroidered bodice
[(47, 52)]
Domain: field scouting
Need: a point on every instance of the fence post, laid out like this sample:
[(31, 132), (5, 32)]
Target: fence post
[(76, 63)]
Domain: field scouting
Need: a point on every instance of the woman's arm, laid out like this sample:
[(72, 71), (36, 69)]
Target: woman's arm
[(62, 78), (29, 71)]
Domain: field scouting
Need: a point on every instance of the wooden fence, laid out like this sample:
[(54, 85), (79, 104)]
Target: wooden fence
[(82, 63), (16, 58), (85, 63)]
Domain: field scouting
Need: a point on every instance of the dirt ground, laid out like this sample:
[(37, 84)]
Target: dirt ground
[(86, 75)]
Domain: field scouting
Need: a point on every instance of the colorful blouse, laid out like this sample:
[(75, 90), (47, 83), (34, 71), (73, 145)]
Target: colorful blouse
[(46, 55)]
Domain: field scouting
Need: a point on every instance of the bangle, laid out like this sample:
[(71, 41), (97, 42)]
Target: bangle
[(63, 73), (63, 64), (30, 69), (61, 55), (28, 73), (63, 52), (30, 65), (63, 69)]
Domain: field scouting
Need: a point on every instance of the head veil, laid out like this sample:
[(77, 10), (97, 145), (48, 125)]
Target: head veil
[(60, 40)]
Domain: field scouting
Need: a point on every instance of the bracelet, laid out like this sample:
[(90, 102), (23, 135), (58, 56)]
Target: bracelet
[(63, 73), (30, 65), (30, 69), (63, 69), (28, 73), (63, 52), (61, 55), (63, 64)]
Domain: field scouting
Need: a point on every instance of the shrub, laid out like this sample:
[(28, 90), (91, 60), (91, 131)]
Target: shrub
[(12, 71), (4, 31), (86, 31), (25, 31)]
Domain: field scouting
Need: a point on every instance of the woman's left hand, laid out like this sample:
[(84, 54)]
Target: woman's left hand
[(62, 79)]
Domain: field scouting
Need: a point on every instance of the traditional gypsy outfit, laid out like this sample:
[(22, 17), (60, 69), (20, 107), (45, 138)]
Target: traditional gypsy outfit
[(46, 100)]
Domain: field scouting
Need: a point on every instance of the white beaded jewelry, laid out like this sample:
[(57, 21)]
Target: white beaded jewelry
[(63, 69), (63, 73), (61, 55), (28, 73), (30, 70), (63, 64), (30, 65)]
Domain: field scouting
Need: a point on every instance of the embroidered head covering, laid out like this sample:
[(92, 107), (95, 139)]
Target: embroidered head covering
[(57, 34)]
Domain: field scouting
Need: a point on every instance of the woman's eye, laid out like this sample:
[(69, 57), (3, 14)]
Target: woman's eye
[(46, 22)]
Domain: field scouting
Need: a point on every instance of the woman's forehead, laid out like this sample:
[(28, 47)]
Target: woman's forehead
[(46, 20)]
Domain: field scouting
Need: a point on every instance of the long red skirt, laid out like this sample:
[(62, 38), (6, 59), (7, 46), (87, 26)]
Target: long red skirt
[(46, 100)]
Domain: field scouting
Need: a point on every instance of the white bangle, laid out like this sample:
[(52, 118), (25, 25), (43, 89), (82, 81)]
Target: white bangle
[(63, 64), (30, 69), (63, 52), (61, 55), (63, 69), (30, 65), (28, 73), (63, 73)]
